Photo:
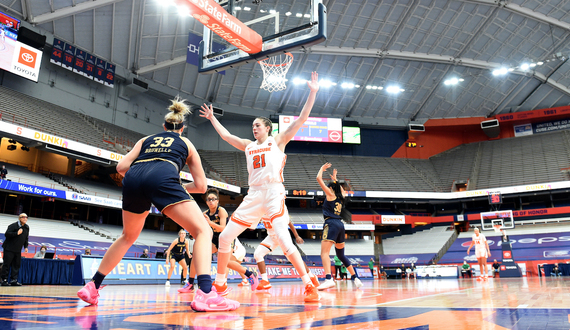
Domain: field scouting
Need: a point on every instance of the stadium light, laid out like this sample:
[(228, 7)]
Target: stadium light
[(298, 81), (500, 71), (453, 81), (394, 89), (347, 85), (326, 83), (525, 66)]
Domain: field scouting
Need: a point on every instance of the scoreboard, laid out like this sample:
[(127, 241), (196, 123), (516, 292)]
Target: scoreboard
[(314, 129)]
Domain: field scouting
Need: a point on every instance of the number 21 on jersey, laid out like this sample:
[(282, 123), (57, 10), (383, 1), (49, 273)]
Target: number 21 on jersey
[(258, 161)]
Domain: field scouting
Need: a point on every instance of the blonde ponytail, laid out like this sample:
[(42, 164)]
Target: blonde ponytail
[(178, 110)]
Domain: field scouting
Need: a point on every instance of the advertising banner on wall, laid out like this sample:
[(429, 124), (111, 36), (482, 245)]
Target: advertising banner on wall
[(393, 219)]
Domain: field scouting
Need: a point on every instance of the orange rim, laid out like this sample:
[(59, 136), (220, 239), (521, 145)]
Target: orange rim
[(262, 62)]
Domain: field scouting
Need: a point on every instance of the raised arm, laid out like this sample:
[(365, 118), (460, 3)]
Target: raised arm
[(328, 191), (208, 113), (283, 138)]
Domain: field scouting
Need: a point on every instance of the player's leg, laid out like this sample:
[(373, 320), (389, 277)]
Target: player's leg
[(189, 216), (485, 267), (184, 267), (326, 246), (132, 226), (170, 269), (280, 225), (339, 248), (266, 246), (189, 286), (229, 233)]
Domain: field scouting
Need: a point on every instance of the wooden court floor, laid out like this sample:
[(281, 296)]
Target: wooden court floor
[(533, 303)]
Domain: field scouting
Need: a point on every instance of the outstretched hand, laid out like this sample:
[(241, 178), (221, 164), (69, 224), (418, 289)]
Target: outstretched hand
[(207, 111), (314, 83), (333, 176), (326, 166)]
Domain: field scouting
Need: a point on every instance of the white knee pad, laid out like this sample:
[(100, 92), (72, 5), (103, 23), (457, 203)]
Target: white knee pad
[(260, 252), (228, 235), (285, 242)]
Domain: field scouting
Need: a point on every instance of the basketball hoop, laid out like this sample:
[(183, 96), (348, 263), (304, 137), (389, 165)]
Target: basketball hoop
[(274, 70), (497, 228)]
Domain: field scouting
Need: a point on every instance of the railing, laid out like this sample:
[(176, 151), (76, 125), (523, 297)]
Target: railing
[(446, 246)]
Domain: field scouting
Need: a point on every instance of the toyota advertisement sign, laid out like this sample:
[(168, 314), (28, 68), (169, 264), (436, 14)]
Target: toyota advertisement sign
[(20, 59)]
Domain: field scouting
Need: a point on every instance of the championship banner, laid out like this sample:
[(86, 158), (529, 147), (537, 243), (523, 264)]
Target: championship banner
[(90, 61), (100, 71), (110, 75), (57, 51), (79, 64), (68, 57), (532, 114), (217, 19)]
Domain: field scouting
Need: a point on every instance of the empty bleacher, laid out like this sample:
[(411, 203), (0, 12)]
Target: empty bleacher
[(455, 164), (54, 228), (523, 160), (425, 241), (89, 187), (148, 237), (24, 110), (22, 175)]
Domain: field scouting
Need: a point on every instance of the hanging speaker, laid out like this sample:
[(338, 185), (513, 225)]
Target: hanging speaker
[(491, 128), (31, 38)]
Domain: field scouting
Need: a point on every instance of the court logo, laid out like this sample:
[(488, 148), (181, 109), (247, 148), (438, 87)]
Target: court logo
[(27, 57)]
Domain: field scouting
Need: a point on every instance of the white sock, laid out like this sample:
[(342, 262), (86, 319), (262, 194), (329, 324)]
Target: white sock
[(264, 277), (220, 279), (306, 279)]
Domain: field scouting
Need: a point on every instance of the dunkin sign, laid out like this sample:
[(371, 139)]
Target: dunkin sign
[(217, 19)]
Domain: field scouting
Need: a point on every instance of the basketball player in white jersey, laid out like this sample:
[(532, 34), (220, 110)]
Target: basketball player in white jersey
[(482, 251), (265, 161)]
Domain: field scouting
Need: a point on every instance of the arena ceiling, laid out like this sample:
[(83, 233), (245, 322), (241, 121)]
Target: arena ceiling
[(415, 44)]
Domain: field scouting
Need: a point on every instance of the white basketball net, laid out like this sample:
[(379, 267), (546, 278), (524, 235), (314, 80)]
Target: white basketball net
[(274, 70)]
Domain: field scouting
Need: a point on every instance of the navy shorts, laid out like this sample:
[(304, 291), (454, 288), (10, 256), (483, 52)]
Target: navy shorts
[(177, 257), (216, 239), (333, 230), (156, 182)]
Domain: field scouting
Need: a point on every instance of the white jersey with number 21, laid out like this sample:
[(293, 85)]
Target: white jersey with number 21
[(265, 162)]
